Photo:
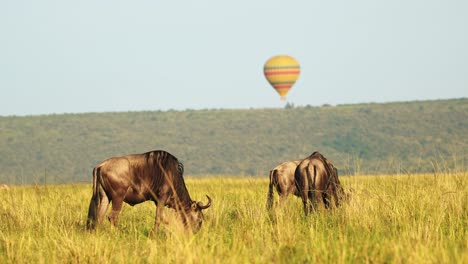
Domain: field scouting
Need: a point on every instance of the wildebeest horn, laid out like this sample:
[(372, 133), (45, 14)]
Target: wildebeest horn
[(204, 206)]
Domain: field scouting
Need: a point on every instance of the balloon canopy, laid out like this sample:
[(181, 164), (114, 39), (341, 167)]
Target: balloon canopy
[(282, 72)]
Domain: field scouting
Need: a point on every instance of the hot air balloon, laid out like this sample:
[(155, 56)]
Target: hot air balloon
[(282, 72)]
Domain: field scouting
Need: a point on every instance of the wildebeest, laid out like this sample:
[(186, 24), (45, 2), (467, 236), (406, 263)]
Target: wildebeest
[(317, 180), (153, 176), (282, 179)]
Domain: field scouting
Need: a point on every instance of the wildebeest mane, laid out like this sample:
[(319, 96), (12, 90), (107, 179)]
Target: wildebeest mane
[(174, 171)]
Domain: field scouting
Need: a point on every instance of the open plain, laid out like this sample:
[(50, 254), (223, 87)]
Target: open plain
[(390, 219)]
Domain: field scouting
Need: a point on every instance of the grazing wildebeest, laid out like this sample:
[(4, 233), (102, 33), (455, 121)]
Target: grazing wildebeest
[(317, 179), (153, 176), (282, 178)]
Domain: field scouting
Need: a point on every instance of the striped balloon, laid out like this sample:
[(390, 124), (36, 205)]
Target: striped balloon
[(282, 72)]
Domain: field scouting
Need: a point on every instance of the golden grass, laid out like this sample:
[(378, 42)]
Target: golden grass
[(390, 219)]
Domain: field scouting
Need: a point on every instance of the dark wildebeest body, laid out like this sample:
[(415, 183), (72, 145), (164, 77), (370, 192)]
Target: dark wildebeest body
[(153, 176), (282, 179), (317, 180)]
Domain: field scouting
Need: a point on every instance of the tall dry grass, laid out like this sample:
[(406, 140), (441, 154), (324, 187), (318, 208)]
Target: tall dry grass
[(390, 219)]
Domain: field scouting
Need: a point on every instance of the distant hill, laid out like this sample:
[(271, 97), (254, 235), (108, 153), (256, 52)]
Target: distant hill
[(403, 137)]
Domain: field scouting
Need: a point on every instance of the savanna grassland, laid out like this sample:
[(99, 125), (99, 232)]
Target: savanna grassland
[(390, 219)]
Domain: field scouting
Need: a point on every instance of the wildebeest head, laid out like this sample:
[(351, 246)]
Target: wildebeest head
[(194, 217)]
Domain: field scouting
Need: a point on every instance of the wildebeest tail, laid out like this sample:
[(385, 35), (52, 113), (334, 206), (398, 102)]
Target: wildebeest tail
[(273, 179), (95, 199), (310, 180)]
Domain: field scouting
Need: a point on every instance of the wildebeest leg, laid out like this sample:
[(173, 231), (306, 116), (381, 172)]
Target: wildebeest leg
[(159, 216), (306, 196), (102, 208), (305, 201), (270, 191), (306, 207), (283, 199), (116, 207), (312, 201), (325, 199), (317, 197)]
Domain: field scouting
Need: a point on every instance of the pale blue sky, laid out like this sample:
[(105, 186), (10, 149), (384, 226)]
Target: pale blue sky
[(102, 55)]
